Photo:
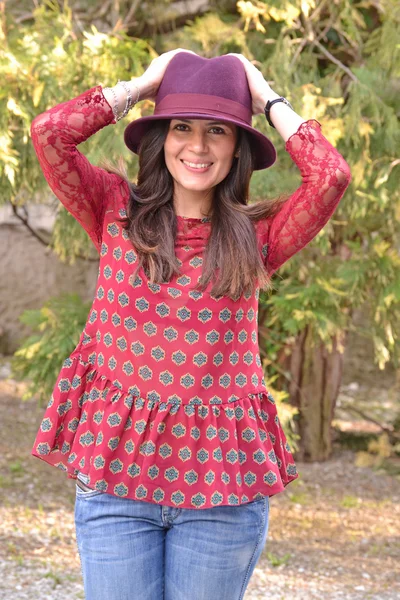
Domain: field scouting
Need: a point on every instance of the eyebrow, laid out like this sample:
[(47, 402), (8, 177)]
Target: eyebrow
[(208, 122)]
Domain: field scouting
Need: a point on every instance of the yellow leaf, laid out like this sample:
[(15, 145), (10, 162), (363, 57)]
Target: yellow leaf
[(94, 42), (389, 334), (329, 288), (31, 351), (306, 5), (316, 106), (10, 174), (333, 129), (37, 93), (300, 315), (388, 300), (381, 247), (381, 446), (382, 352), (14, 108), (365, 129), (364, 459), (288, 14), (358, 171), (251, 13)]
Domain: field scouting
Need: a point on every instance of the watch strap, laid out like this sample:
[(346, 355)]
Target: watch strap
[(270, 103)]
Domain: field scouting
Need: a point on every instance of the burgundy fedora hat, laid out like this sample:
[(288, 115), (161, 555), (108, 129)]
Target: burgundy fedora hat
[(205, 88)]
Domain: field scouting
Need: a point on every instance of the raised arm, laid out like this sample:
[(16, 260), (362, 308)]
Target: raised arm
[(81, 187), (325, 176)]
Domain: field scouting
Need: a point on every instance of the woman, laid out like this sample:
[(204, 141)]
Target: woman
[(161, 413)]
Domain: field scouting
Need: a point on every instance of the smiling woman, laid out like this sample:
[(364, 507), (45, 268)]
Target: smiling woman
[(162, 408), (167, 189), (193, 148)]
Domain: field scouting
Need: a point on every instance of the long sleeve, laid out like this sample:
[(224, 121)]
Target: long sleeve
[(81, 187), (325, 177)]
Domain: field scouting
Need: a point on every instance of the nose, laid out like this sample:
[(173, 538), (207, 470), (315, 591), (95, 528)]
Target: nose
[(197, 142)]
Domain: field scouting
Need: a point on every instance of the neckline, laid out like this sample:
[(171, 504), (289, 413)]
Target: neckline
[(194, 219)]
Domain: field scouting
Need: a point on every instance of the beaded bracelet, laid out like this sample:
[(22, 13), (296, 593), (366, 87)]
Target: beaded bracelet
[(114, 108), (129, 104)]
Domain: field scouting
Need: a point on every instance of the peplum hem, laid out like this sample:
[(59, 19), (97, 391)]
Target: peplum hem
[(179, 455)]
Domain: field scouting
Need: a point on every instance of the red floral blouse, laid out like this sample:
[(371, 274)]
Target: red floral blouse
[(164, 398)]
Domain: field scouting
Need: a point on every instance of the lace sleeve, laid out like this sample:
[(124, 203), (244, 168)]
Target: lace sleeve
[(81, 187), (325, 177)]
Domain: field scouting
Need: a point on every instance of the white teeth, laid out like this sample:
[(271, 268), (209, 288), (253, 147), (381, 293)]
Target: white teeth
[(203, 166)]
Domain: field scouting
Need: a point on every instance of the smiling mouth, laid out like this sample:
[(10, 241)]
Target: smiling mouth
[(195, 166)]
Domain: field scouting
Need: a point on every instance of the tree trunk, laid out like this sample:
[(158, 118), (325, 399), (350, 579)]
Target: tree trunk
[(315, 377)]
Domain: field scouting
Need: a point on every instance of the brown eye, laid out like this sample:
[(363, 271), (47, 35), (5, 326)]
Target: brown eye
[(180, 125), (219, 130)]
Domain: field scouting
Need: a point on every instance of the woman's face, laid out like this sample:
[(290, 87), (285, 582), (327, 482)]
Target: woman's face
[(203, 142)]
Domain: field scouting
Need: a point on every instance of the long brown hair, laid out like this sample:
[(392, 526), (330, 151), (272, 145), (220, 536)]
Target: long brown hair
[(151, 223)]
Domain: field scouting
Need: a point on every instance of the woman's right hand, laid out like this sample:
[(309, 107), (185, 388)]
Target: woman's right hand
[(150, 81)]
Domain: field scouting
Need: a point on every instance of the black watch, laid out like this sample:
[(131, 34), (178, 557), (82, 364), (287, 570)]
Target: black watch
[(268, 108)]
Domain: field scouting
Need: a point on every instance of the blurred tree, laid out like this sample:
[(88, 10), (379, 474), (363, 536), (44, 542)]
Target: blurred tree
[(39, 71), (337, 62)]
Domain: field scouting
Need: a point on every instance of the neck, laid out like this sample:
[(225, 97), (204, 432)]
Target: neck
[(194, 205)]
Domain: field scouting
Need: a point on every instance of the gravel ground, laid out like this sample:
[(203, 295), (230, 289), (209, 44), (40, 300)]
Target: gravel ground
[(334, 533)]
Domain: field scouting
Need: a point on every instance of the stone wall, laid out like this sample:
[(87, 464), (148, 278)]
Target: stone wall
[(30, 273)]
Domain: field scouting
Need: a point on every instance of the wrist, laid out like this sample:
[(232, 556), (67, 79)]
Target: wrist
[(145, 89), (266, 95), (271, 104), (136, 84)]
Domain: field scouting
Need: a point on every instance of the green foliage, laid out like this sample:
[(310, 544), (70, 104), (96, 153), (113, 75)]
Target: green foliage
[(337, 62), (378, 452), (349, 501), (287, 413), (211, 35), (57, 327), (16, 468), (277, 561), (354, 261), (39, 70), (69, 238)]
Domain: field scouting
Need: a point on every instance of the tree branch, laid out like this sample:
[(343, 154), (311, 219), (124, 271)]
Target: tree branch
[(130, 14), (393, 437), (25, 223), (336, 61)]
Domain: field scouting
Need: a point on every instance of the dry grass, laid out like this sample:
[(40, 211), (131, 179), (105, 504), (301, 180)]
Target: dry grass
[(334, 532)]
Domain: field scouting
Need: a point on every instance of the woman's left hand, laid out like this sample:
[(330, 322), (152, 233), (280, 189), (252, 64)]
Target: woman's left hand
[(261, 92)]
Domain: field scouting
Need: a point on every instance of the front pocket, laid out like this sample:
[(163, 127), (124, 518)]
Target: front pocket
[(83, 490), (262, 499)]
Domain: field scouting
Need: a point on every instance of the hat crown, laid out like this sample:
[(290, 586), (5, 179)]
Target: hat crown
[(222, 76), (215, 88)]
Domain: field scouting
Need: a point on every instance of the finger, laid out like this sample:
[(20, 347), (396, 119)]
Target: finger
[(183, 50), (239, 56)]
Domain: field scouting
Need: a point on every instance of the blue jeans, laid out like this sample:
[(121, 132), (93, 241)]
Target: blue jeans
[(136, 550)]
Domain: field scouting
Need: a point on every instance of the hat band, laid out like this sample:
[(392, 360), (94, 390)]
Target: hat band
[(203, 104)]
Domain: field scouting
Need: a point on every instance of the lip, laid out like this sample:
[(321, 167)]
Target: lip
[(194, 170)]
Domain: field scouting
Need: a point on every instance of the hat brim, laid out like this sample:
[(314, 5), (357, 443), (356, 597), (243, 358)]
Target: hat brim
[(264, 150)]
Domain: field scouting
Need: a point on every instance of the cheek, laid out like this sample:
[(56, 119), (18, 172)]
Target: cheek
[(167, 146), (227, 152), (168, 140)]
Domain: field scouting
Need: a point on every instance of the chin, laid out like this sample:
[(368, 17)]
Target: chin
[(193, 185), (196, 187)]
